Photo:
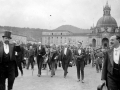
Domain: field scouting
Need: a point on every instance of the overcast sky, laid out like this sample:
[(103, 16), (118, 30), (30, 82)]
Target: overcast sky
[(50, 14)]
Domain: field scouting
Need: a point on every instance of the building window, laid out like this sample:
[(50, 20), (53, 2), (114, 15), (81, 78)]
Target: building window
[(61, 33)]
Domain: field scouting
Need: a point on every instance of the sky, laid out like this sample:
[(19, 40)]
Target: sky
[(50, 14)]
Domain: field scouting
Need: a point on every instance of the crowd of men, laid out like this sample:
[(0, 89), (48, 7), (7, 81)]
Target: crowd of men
[(16, 56)]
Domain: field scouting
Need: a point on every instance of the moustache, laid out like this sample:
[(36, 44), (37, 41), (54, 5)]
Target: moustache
[(111, 43), (6, 42)]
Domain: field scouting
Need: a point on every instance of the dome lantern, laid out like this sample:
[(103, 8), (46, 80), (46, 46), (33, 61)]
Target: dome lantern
[(106, 10)]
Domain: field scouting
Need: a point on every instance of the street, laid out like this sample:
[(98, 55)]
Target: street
[(45, 82)]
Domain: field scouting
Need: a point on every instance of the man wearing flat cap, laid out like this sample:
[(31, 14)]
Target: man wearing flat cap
[(8, 66)]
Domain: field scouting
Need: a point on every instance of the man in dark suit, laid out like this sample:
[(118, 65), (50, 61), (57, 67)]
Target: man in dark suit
[(111, 65), (80, 57), (53, 59), (31, 54), (8, 66), (40, 53), (19, 53), (98, 61), (66, 58)]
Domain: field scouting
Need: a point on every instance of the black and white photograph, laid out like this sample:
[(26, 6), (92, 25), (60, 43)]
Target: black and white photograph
[(59, 44)]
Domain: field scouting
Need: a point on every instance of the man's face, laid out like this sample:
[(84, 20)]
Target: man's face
[(113, 41), (30, 47), (66, 46), (39, 43), (18, 42), (6, 40), (79, 45)]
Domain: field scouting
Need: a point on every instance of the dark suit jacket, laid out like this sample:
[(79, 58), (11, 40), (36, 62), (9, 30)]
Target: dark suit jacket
[(54, 54), (82, 55), (108, 64), (20, 52), (68, 56), (42, 52), (12, 56)]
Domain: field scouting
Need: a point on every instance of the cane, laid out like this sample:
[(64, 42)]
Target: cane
[(47, 69)]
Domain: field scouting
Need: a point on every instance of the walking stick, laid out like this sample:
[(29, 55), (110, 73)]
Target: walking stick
[(47, 69)]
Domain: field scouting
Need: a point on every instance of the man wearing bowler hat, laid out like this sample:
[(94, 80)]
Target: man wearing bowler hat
[(8, 66)]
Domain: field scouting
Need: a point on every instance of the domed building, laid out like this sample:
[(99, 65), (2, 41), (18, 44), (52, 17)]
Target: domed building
[(105, 27)]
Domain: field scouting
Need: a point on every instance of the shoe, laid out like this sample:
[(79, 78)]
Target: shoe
[(38, 75), (51, 75), (82, 81), (78, 80), (22, 74), (64, 76)]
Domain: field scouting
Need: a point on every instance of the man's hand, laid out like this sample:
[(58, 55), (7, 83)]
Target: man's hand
[(103, 81)]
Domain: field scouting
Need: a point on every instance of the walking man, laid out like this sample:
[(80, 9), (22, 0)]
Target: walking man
[(66, 58), (19, 53), (8, 66), (80, 57), (31, 57), (53, 59), (40, 52)]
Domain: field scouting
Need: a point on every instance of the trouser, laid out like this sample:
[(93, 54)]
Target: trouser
[(44, 66), (89, 60), (98, 64), (49, 65), (39, 63), (65, 68), (52, 68), (7, 71), (20, 67), (24, 63), (30, 61), (55, 65), (80, 68), (113, 81), (85, 61), (93, 63)]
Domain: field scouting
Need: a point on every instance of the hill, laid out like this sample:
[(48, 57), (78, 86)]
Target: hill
[(28, 32), (73, 29)]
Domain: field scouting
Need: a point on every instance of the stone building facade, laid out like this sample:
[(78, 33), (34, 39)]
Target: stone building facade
[(98, 37)]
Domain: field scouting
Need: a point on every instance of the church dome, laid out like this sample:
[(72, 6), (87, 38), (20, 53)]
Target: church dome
[(107, 20)]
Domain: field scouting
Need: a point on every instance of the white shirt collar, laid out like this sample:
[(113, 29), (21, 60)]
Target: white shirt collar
[(5, 44), (116, 49), (116, 55)]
